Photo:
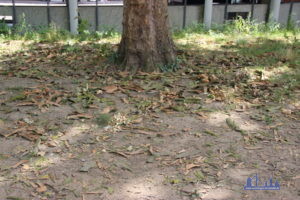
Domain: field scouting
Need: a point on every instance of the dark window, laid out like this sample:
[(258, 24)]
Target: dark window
[(235, 15)]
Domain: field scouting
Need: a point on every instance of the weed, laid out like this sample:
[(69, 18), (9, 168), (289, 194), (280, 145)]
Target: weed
[(107, 32), (243, 26), (171, 67), (232, 152), (232, 124), (86, 96), (210, 133), (199, 175)]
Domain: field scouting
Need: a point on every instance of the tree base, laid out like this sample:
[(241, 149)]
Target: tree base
[(146, 43)]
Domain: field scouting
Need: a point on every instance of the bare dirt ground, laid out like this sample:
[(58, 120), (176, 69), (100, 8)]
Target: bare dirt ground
[(70, 131)]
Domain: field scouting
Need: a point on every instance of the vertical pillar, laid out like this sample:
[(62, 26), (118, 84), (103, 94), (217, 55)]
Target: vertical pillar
[(14, 12), (274, 10), (226, 11), (252, 9), (208, 13), (48, 13), (184, 14), (290, 17), (73, 16), (97, 16)]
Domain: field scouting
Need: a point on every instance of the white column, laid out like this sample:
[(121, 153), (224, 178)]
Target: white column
[(73, 12), (208, 13), (274, 10)]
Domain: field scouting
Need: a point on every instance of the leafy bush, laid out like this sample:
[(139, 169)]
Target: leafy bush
[(240, 25), (4, 28)]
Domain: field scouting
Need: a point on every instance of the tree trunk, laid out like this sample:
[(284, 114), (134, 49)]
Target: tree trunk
[(146, 40)]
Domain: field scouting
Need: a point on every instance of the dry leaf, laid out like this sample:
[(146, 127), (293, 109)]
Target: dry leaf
[(286, 111), (19, 163), (252, 148), (125, 100), (124, 74), (26, 104), (107, 110), (199, 159), (151, 151), (23, 68), (119, 153), (52, 144), (110, 89), (145, 132), (99, 92), (204, 78), (296, 177), (201, 114), (80, 116), (30, 137), (50, 56), (15, 131), (42, 188), (140, 151), (191, 166), (100, 165), (138, 120), (26, 167)]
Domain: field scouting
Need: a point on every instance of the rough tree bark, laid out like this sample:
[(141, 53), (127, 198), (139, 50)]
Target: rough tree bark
[(146, 40)]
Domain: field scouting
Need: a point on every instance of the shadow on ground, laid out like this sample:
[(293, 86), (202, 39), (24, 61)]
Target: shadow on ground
[(72, 131)]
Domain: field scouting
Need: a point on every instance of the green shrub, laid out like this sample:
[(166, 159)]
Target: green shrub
[(4, 28)]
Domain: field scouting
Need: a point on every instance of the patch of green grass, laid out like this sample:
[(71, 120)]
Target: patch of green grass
[(143, 105), (18, 97), (14, 198), (211, 133), (232, 152), (287, 83), (24, 31), (179, 107), (238, 26), (3, 157), (241, 42), (103, 119), (234, 126), (33, 73), (15, 88), (40, 162), (208, 145)]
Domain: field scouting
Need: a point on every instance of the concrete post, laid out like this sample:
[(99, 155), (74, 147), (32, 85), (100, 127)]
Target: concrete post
[(208, 13), (274, 10), (73, 15)]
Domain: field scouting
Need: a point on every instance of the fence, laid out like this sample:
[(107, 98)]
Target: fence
[(101, 17)]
